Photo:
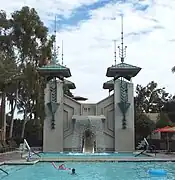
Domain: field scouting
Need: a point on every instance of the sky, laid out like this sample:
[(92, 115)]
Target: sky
[(89, 27)]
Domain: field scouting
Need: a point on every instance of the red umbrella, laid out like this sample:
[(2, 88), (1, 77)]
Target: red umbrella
[(171, 129), (164, 129), (167, 130)]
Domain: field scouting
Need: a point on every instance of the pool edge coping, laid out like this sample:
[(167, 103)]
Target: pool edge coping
[(86, 160)]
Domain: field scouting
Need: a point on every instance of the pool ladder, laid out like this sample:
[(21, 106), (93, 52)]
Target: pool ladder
[(152, 148)]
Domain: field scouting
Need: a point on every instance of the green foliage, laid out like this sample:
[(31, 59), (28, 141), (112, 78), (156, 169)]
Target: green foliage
[(143, 125), (150, 99), (169, 109), (163, 120), (24, 46), (33, 130), (173, 69)]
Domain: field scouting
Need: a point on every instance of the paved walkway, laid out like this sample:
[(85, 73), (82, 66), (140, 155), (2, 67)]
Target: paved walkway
[(163, 155), (10, 156), (15, 158)]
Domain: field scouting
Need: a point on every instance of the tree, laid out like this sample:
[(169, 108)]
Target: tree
[(143, 126), (169, 109), (163, 120), (8, 76), (150, 99), (173, 69), (33, 46), (12, 97), (6, 45), (25, 45)]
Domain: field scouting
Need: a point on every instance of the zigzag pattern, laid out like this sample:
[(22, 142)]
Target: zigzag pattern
[(53, 91), (123, 92)]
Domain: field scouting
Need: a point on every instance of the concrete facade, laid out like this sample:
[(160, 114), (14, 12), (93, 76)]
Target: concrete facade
[(124, 138), (107, 135)]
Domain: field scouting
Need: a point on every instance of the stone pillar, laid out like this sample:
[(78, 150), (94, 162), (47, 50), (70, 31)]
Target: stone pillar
[(53, 138), (124, 138), (59, 117)]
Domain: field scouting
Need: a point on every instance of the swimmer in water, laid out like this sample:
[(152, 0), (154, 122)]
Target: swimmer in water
[(62, 167), (73, 172)]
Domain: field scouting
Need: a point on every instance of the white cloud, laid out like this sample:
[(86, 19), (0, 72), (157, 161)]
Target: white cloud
[(88, 48), (47, 9)]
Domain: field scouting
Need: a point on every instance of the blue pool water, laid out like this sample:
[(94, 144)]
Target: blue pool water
[(89, 155), (89, 171)]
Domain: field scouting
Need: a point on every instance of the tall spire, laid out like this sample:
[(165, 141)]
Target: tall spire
[(122, 48), (54, 57), (115, 53), (62, 54)]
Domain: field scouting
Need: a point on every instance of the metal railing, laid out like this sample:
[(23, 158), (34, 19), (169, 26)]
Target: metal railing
[(144, 143)]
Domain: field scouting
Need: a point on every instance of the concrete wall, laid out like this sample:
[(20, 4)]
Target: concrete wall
[(104, 107), (124, 138), (115, 138), (89, 109), (71, 107)]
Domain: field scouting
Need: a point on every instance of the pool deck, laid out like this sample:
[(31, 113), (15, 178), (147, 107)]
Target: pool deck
[(101, 159), (21, 162), (14, 158)]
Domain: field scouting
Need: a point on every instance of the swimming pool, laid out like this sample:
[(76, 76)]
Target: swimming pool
[(89, 171), (89, 155)]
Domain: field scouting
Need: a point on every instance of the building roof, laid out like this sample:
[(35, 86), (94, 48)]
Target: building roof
[(124, 70), (54, 70), (110, 84), (79, 98), (69, 84)]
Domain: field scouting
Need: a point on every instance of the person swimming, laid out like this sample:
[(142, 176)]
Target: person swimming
[(73, 172), (62, 167)]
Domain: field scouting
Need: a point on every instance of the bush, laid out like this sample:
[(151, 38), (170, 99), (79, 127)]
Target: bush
[(143, 126)]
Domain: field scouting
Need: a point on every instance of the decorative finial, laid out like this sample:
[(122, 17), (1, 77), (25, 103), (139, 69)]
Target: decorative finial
[(54, 57), (122, 49), (62, 54), (115, 56)]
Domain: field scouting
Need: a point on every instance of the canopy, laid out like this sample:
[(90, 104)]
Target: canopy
[(172, 129), (165, 129)]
